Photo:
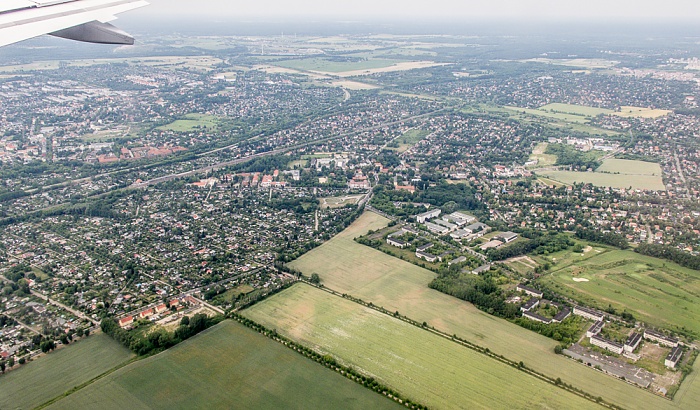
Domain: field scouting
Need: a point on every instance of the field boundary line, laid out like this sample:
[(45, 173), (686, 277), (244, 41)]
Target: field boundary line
[(472, 346)]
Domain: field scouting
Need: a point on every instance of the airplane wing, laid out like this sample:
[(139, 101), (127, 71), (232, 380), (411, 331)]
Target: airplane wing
[(81, 20)]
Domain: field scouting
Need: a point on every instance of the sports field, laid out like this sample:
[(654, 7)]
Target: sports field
[(620, 181), (427, 367), (54, 374), (227, 366), (373, 276), (655, 291)]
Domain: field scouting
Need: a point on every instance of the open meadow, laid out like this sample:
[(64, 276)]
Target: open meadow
[(628, 167), (582, 110), (348, 267), (52, 375), (657, 292), (539, 155), (620, 181), (191, 122), (641, 112), (419, 364), (227, 366)]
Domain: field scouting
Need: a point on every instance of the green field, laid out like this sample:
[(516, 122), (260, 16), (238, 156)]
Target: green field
[(580, 110), (627, 167), (227, 366), (654, 291), (427, 367), (373, 276), (191, 122), (50, 376), (409, 139), (573, 118), (328, 66), (543, 159), (619, 181)]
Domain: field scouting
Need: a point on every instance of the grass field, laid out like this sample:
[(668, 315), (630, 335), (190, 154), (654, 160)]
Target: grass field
[(436, 371), (50, 376), (543, 160), (339, 202), (351, 268), (201, 63), (410, 138), (574, 109), (628, 167), (641, 112), (191, 122), (657, 292), (620, 181), (227, 366)]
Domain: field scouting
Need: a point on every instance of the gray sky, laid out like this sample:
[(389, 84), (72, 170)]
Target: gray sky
[(498, 9)]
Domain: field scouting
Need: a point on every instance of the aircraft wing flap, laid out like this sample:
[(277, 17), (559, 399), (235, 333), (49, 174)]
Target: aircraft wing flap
[(18, 25)]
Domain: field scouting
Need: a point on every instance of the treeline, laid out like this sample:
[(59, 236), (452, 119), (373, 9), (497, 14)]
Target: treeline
[(566, 332), (160, 339), (549, 243), (568, 155), (607, 238), (330, 362), (669, 253), (481, 291)]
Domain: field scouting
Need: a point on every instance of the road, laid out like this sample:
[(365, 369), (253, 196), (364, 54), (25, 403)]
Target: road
[(282, 150), (71, 310)]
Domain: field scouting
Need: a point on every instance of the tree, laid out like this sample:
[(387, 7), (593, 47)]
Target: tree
[(185, 321), (47, 345), (315, 279)]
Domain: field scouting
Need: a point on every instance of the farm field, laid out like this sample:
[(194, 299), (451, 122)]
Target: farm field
[(588, 63), (191, 123), (655, 291), (204, 63), (641, 112), (227, 366), (348, 267), (628, 167), (620, 181), (409, 139), (572, 118), (354, 85), (421, 365), (47, 377)]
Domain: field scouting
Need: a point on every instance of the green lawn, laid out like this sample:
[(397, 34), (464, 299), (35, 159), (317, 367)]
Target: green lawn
[(191, 122), (227, 366), (373, 276), (620, 181), (50, 376), (421, 365), (658, 292)]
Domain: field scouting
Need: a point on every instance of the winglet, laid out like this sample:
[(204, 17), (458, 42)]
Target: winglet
[(95, 32)]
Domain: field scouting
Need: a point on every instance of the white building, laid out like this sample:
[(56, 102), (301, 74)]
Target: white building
[(588, 313), (674, 357), (606, 344), (421, 218), (660, 338)]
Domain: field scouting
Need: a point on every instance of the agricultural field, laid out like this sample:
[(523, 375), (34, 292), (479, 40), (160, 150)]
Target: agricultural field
[(227, 366), (354, 85), (620, 181), (421, 365), (641, 112), (348, 267), (543, 160), (627, 167), (201, 63), (657, 292), (587, 63), (191, 122), (52, 375), (561, 116)]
